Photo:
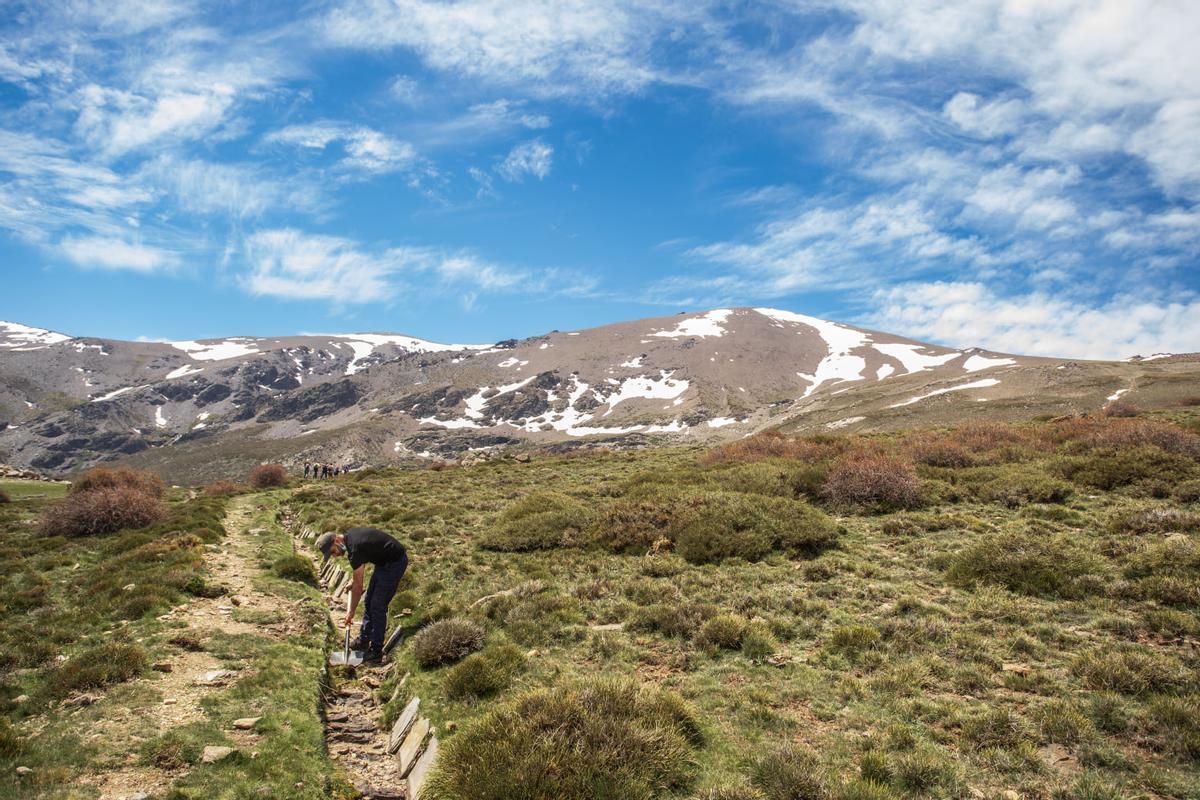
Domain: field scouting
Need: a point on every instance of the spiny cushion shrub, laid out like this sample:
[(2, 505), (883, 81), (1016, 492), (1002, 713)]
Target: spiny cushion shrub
[(775, 477), (446, 641), (119, 478), (874, 482), (104, 664), (774, 445), (222, 489), (483, 674), (633, 526), (1111, 468), (268, 476), (758, 641), (1031, 563), (1020, 487), (1187, 492), (719, 525), (101, 510), (539, 521), (295, 568), (601, 738)]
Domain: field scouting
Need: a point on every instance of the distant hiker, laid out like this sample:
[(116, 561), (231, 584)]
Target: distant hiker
[(368, 546), (307, 467), (324, 470)]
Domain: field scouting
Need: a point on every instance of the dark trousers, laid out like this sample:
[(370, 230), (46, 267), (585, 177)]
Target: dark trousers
[(380, 592)]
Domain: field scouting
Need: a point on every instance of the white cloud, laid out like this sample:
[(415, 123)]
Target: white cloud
[(292, 264), (116, 254), (366, 149), (567, 48), (964, 314), (534, 157)]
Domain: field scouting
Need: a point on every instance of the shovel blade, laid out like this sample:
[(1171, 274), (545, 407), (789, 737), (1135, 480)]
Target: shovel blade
[(341, 659)]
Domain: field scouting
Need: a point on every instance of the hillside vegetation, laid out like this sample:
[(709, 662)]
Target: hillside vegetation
[(968, 612), (950, 613)]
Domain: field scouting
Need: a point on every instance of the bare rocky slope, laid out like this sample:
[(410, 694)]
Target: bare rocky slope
[(197, 410)]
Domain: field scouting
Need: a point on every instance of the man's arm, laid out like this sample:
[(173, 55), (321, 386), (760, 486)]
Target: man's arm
[(356, 590)]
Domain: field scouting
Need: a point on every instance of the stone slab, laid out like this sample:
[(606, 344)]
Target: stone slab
[(406, 756), (420, 771), (403, 723)]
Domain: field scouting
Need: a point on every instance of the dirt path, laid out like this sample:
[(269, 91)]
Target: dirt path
[(187, 676)]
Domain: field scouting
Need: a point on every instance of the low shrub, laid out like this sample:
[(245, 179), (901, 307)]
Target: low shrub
[(1120, 408), (1154, 520), (997, 728), (119, 478), (4, 498), (602, 738), (724, 631), (873, 482), (11, 741), (913, 524), (102, 665), (268, 476), (792, 772), (539, 521), (1174, 723), (938, 451), (1112, 468), (1187, 492), (101, 510), (774, 477), (295, 568), (1028, 563), (1131, 670), (672, 619), (1126, 434), (633, 526), (758, 641), (719, 525), (483, 674), (446, 641), (222, 489), (774, 445), (1019, 488)]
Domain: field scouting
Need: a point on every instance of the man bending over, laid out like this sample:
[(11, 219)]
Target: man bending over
[(368, 546)]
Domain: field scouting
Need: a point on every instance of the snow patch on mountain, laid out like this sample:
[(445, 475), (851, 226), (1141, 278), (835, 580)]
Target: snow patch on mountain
[(180, 372), (707, 324), (217, 349), (914, 361), (839, 365), (644, 387), (15, 336), (977, 362), (980, 384)]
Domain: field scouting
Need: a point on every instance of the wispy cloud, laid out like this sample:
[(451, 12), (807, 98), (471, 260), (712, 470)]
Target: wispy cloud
[(1040, 323), (364, 149), (534, 158), (116, 254)]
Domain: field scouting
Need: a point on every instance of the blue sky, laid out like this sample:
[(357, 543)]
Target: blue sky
[(1013, 174)]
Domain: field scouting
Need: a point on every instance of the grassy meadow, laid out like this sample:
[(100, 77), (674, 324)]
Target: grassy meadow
[(965, 613)]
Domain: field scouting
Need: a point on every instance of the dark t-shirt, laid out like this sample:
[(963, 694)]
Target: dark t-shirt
[(373, 545)]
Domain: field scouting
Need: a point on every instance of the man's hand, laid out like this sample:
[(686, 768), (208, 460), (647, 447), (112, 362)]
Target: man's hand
[(349, 619)]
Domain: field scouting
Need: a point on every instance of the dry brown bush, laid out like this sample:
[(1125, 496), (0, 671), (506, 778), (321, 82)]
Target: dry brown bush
[(222, 488), (268, 476), (873, 481), (772, 444), (1119, 408), (98, 511), (938, 450), (119, 478), (1121, 433)]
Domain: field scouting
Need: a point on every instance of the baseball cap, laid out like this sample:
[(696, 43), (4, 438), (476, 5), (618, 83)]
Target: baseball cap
[(325, 544)]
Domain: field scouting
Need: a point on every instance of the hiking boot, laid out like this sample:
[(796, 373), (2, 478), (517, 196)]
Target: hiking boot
[(360, 644), (372, 657)]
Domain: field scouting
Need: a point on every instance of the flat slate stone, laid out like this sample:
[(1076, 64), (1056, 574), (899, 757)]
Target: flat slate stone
[(403, 723), (406, 756), (420, 770)]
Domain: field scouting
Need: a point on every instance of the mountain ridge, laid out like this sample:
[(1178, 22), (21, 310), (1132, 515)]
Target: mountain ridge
[(69, 402)]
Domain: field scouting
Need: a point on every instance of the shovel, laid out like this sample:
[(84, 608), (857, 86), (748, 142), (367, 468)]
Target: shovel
[(350, 658)]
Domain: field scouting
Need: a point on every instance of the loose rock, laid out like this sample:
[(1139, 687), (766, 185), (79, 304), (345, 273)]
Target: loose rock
[(214, 753), (246, 723)]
